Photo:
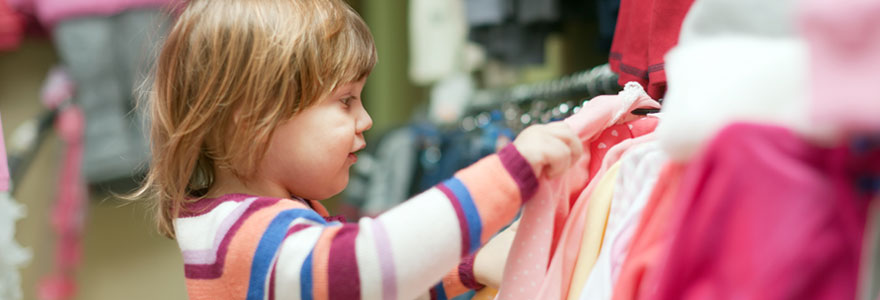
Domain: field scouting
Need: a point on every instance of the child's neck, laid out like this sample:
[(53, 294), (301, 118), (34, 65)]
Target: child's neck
[(227, 183)]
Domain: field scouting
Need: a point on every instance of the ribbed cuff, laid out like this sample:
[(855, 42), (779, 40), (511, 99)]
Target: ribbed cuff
[(466, 273), (521, 171)]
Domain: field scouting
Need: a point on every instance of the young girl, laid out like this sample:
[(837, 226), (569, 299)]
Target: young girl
[(256, 112)]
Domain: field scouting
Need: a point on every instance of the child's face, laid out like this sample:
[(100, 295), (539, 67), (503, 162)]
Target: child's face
[(310, 155)]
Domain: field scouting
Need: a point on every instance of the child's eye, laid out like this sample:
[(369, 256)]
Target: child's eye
[(346, 100)]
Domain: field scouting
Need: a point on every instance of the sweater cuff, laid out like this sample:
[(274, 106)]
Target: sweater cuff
[(466, 273), (521, 171)]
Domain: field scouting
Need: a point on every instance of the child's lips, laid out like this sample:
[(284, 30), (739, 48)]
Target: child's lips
[(353, 157)]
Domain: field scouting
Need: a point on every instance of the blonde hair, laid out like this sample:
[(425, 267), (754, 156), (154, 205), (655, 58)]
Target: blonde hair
[(228, 73)]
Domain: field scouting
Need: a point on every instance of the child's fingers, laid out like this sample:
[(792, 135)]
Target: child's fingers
[(559, 158), (564, 133)]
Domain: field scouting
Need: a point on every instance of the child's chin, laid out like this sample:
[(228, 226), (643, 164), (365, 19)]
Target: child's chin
[(335, 190)]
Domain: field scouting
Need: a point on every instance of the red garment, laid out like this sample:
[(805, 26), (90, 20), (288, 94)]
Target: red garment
[(646, 30), (11, 28), (650, 240), (762, 214)]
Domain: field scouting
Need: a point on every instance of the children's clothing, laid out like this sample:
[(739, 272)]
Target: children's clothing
[(762, 214), (602, 122), (249, 247), (638, 274), (639, 173), (844, 42)]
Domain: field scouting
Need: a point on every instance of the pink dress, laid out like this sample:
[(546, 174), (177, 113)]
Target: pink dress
[(602, 122)]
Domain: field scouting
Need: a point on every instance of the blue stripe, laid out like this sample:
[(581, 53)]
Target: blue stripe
[(441, 293), (305, 279), (475, 225), (268, 246)]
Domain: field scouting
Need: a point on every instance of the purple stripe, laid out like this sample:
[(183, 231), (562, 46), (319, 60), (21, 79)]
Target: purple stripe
[(641, 74), (209, 256), (635, 71), (297, 228), (462, 219), (466, 273), (386, 261), (615, 55), (342, 269), (521, 171), (205, 205), (339, 218), (215, 270), (656, 67)]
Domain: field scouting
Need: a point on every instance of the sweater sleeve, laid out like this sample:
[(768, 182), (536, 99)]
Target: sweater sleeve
[(457, 281), (405, 251)]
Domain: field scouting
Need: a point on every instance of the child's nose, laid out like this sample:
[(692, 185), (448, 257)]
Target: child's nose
[(365, 122)]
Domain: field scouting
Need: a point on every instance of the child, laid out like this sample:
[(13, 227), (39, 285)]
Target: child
[(256, 111)]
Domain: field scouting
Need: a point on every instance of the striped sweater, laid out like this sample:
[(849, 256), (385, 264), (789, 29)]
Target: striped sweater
[(249, 247)]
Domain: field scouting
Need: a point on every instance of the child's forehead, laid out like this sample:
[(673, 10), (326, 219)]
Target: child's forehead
[(350, 86)]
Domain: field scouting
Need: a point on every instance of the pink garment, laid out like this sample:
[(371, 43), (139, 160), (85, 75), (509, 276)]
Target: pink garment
[(69, 210), (556, 282), (50, 12), (844, 41), (4, 165), (11, 28), (543, 218), (637, 276), (762, 214), (639, 172)]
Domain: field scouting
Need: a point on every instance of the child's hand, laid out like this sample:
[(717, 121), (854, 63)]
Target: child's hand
[(491, 258), (550, 148)]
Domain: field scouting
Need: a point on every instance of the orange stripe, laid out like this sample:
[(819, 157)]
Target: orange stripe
[(320, 258), (236, 270), (205, 289), (319, 208), (497, 201), (452, 284)]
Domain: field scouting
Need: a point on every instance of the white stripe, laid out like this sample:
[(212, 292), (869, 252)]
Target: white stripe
[(291, 256), (369, 268), (198, 233), (425, 239)]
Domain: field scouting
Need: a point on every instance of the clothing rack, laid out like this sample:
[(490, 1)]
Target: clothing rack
[(541, 102), (583, 85)]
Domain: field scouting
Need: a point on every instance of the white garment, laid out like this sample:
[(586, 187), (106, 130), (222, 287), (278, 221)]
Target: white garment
[(735, 61), (437, 37), (450, 98), (639, 172), (718, 81), (12, 255), (710, 18)]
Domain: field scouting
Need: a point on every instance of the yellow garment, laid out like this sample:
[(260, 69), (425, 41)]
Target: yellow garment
[(594, 230), (485, 293)]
